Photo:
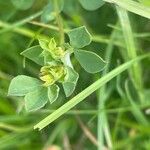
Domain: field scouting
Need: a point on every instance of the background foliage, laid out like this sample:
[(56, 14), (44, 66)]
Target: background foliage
[(117, 115)]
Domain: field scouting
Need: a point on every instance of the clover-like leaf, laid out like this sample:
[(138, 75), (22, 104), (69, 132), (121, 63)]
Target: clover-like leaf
[(79, 37), (91, 4), (34, 54), (36, 99), (90, 61), (49, 12), (21, 85), (22, 4), (70, 81), (53, 92)]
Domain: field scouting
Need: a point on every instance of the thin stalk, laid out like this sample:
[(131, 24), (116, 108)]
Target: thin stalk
[(59, 22), (29, 33), (20, 23), (14, 128)]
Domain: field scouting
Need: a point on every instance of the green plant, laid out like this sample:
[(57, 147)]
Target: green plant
[(64, 37), (56, 68)]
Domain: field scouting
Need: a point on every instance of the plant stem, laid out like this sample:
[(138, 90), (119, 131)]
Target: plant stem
[(59, 22), (20, 23)]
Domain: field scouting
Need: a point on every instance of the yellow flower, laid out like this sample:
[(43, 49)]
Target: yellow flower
[(48, 79), (56, 52), (51, 74)]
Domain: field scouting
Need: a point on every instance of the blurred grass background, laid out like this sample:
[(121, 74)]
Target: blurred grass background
[(114, 116)]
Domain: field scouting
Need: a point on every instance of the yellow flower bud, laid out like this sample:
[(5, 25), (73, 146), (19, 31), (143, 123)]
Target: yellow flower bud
[(51, 74)]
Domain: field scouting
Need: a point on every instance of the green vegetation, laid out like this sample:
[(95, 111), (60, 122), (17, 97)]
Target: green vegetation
[(56, 53)]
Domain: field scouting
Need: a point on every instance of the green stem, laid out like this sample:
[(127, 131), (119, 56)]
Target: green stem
[(59, 22), (14, 128), (20, 23)]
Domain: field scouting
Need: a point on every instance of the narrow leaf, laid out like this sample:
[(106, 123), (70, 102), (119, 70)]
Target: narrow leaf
[(91, 4), (53, 92), (34, 54), (36, 99), (90, 61), (22, 85), (85, 93), (79, 37)]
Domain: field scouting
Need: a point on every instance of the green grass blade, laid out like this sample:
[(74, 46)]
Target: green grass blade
[(136, 111), (85, 93), (132, 6), (103, 128), (131, 49)]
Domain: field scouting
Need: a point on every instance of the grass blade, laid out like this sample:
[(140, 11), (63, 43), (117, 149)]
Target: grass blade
[(131, 49), (103, 128), (132, 6), (85, 93)]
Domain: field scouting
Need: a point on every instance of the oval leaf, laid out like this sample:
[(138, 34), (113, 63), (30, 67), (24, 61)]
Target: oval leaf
[(91, 4), (22, 85), (36, 99), (70, 81), (53, 92), (90, 61), (34, 54), (79, 37)]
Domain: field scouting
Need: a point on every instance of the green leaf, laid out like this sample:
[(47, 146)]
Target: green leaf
[(36, 99), (69, 87), (79, 37), (91, 4), (49, 13), (90, 61), (22, 4), (22, 85), (70, 81), (53, 92), (34, 53)]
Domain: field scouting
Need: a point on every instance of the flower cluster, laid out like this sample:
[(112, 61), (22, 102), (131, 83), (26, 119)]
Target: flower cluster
[(54, 69)]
